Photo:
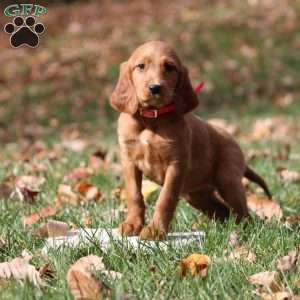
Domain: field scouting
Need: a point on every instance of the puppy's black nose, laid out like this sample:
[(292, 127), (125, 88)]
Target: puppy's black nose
[(155, 88)]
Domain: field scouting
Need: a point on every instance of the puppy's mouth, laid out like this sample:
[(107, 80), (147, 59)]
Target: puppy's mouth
[(155, 101)]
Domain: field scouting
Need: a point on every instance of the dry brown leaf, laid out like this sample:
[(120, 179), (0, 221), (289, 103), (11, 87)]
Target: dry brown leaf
[(297, 283), (267, 295), (28, 187), (264, 208), (76, 145), (195, 264), (87, 219), (97, 160), (66, 194), (89, 263), (44, 212), (284, 100), (241, 252), (82, 285), (262, 128), (88, 191), (46, 272), (292, 220), (51, 229), (7, 187), (266, 279), (233, 239), (81, 282), (272, 128), (19, 268), (2, 242), (289, 175), (78, 173), (289, 261)]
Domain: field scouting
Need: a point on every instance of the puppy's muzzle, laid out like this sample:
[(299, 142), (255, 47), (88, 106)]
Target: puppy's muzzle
[(155, 89)]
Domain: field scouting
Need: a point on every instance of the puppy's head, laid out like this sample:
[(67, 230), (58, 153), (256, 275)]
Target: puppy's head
[(153, 77)]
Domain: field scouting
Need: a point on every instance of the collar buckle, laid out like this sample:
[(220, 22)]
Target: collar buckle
[(153, 113)]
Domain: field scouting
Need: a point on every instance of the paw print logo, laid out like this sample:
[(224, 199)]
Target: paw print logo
[(24, 32)]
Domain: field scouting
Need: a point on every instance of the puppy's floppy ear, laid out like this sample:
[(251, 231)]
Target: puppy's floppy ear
[(124, 98), (186, 98)]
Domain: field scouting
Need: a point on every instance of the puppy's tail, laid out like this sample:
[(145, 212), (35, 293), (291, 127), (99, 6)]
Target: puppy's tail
[(252, 176)]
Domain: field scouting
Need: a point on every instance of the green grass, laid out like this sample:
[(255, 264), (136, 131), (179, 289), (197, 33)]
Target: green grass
[(224, 280), (61, 89)]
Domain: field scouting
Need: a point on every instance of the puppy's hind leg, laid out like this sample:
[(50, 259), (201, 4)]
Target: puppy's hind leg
[(208, 203), (232, 191)]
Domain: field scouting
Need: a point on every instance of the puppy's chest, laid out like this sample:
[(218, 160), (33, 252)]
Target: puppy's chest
[(150, 153)]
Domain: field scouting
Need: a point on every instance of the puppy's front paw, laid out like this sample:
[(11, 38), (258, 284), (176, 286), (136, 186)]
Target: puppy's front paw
[(130, 228), (152, 232)]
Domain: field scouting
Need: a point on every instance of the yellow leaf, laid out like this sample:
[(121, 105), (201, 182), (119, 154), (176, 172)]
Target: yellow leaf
[(148, 187), (196, 264)]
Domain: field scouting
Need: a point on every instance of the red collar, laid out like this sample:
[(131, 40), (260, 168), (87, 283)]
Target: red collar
[(154, 113)]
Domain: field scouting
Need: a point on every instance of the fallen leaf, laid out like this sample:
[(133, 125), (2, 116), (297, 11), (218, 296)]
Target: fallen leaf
[(87, 219), (267, 295), (233, 239), (289, 261), (262, 128), (82, 285), (264, 208), (266, 279), (51, 229), (7, 187), (271, 128), (2, 242), (297, 283), (88, 191), (75, 145), (292, 220), (195, 264), (46, 272), (241, 252), (44, 212), (258, 153), (79, 173), (28, 187), (66, 194), (289, 175), (19, 268), (148, 187), (284, 100), (81, 282), (97, 160), (89, 263)]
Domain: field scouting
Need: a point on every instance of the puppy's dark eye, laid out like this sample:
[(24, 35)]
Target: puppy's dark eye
[(169, 67), (141, 67)]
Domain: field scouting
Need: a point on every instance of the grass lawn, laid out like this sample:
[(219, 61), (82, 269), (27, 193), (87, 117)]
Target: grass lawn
[(49, 98)]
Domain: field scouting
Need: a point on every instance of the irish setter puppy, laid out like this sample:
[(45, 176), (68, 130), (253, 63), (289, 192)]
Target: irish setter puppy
[(160, 138)]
